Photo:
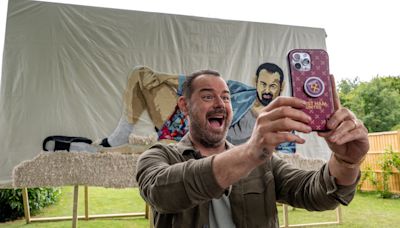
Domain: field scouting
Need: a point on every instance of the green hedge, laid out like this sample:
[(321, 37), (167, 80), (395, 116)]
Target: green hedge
[(11, 204)]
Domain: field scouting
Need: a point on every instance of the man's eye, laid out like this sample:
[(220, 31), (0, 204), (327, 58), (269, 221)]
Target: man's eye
[(226, 98), (208, 97), (274, 86)]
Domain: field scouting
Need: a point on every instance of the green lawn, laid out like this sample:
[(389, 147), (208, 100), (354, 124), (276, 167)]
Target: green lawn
[(101, 201), (366, 210)]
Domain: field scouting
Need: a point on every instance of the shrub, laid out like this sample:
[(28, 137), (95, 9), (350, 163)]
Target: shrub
[(11, 203), (387, 163)]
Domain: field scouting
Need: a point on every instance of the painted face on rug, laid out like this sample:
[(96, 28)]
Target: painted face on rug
[(210, 110), (268, 87)]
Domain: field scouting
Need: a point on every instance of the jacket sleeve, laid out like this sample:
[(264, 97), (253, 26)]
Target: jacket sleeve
[(312, 190), (170, 184)]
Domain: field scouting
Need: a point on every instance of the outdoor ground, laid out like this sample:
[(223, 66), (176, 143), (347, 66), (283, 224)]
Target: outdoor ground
[(366, 210)]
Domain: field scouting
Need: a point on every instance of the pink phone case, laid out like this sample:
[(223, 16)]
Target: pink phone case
[(310, 79)]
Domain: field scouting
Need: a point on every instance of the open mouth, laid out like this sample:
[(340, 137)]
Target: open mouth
[(216, 121)]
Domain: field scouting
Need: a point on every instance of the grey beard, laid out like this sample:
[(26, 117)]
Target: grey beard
[(207, 140)]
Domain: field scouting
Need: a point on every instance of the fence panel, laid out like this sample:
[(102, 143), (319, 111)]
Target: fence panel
[(379, 142)]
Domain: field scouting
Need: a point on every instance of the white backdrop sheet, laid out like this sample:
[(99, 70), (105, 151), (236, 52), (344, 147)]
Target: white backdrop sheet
[(65, 66)]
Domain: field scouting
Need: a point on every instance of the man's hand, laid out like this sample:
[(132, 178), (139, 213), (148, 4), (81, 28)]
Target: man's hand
[(348, 140), (274, 125), (348, 137)]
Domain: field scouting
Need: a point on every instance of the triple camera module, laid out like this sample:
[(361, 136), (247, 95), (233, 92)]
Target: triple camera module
[(301, 61)]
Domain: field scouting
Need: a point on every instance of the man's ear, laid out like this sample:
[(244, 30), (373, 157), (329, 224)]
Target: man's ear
[(182, 104)]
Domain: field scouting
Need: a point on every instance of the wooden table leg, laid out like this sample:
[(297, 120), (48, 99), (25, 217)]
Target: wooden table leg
[(75, 207), (25, 200), (285, 215)]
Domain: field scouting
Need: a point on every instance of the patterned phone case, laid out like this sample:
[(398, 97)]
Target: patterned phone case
[(310, 79)]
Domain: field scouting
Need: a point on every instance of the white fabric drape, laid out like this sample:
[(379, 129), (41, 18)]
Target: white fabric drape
[(65, 67)]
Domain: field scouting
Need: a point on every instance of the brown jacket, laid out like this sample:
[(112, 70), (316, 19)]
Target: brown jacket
[(179, 186)]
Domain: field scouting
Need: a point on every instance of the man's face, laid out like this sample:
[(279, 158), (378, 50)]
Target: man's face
[(268, 87), (210, 110)]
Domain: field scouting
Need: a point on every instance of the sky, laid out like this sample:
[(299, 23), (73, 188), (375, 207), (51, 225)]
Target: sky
[(363, 36)]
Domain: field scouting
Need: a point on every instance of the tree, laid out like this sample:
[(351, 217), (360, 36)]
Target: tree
[(376, 103), (345, 87)]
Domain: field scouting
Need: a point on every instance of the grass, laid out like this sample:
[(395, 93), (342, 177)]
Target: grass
[(101, 201), (366, 210)]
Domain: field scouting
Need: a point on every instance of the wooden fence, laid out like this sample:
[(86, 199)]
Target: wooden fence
[(379, 142)]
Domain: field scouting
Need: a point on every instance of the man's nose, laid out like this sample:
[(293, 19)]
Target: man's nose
[(218, 102)]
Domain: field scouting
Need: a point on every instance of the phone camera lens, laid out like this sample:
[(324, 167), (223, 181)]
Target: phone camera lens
[(297, 66), (305, 62), (296, 56)]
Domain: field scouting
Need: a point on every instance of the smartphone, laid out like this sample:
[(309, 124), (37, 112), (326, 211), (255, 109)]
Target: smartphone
[(311, 81)]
